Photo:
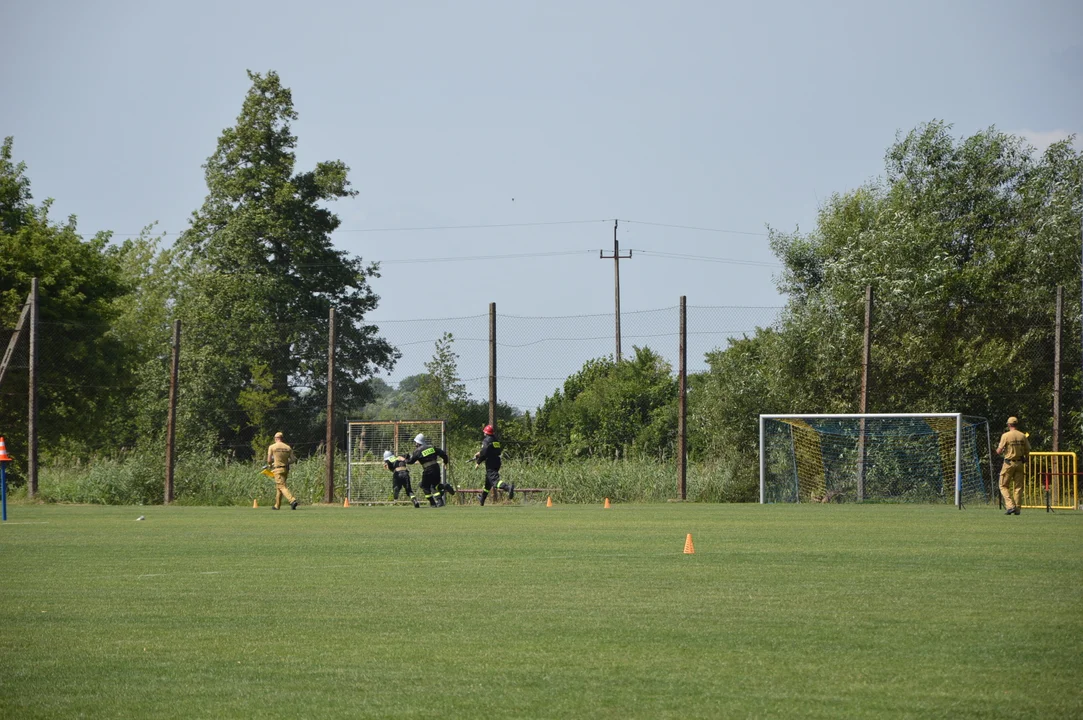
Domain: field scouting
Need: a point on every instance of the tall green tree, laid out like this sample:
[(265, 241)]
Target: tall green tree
[(143, 327), (964, 242), (258, 276), (83, 375), (440, 393)]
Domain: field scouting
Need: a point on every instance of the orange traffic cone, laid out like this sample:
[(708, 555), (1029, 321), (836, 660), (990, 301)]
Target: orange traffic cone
[(549, 501), (4, 457), (689, 548), (255, 503), (606, 504), (345, 502)]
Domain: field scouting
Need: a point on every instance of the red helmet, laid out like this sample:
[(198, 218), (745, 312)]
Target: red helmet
[(488, 429)]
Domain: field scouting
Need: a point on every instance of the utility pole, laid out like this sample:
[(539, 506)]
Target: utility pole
[(171, 415), (682, 403), (329, 441), (1056, 367), (616, 257), (492, 364), (863, 401), (32, 381)]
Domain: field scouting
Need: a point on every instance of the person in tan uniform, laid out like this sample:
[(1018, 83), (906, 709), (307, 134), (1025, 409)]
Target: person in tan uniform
[(1015, 447), (279, 457)]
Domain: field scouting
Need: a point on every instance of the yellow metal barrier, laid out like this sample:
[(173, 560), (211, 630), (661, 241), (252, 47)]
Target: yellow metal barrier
[(1055, 473)]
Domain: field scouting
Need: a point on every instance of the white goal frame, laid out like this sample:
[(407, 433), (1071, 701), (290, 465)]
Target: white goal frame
[(958, 417)]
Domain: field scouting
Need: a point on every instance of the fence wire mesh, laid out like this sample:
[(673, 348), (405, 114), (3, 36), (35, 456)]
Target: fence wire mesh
[(95, 398)]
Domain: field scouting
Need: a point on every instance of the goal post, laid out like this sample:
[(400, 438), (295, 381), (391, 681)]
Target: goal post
[(877, 457), (367, 481)]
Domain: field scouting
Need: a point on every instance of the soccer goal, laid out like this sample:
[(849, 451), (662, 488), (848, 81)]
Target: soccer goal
[(366, 479), (907, 457)]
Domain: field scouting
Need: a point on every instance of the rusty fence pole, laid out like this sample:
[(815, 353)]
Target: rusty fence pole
[(492, 364), (863, 401), (1056, 368), (171, 416), (32, 398), (682, 404), (329, 444)]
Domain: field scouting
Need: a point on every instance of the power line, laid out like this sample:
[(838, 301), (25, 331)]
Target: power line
[(700, 229), (486, 226), (423, 228), (705, 258), (471, 227), (521, 256), (484, 257)]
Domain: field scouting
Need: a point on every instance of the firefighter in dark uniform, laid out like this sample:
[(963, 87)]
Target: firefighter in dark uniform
[(429, 457), (1015, 447), (400, 476), (490, 455)]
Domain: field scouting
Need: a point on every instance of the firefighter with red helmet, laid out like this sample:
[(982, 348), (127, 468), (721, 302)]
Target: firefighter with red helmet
[(490, 455)]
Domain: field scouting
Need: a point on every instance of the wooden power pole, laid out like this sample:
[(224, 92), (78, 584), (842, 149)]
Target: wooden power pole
[(32, 410), (616, 257), (863, 403), (682, 405), (171, 417), (492, 364), (1056, 368), (329, 444)]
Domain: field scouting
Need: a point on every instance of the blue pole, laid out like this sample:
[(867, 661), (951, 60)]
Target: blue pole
[(4, 490)]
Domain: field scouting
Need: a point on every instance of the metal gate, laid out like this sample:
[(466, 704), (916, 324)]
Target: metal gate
[(367, 481), (1054, 473)]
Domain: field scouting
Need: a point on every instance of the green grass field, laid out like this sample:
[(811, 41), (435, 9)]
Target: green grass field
[(526, 611)]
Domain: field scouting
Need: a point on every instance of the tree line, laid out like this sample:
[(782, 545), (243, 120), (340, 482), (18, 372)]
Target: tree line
[(964, 241)]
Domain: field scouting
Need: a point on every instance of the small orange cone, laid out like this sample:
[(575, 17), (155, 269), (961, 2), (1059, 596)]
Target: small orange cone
[(606, 507), (255, 503), (345, 502), (689, 548), (549, 501), (4, 457)]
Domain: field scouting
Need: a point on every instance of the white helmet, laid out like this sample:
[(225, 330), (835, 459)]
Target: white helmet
[(388, 455), (420, 439)]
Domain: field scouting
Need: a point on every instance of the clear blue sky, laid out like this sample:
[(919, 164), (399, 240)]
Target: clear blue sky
[(709, 114)]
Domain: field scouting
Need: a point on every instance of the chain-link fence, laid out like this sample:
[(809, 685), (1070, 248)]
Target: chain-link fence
[(95, 399), (535, 355)]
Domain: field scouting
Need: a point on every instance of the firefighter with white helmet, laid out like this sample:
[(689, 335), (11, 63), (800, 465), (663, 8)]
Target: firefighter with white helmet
[(400, 476), (429, 458)]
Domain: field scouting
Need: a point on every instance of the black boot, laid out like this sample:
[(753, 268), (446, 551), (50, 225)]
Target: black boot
[(416, 503), (483, 496)]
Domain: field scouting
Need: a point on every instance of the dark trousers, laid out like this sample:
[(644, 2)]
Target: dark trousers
[(430, 483), (401, 481)]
